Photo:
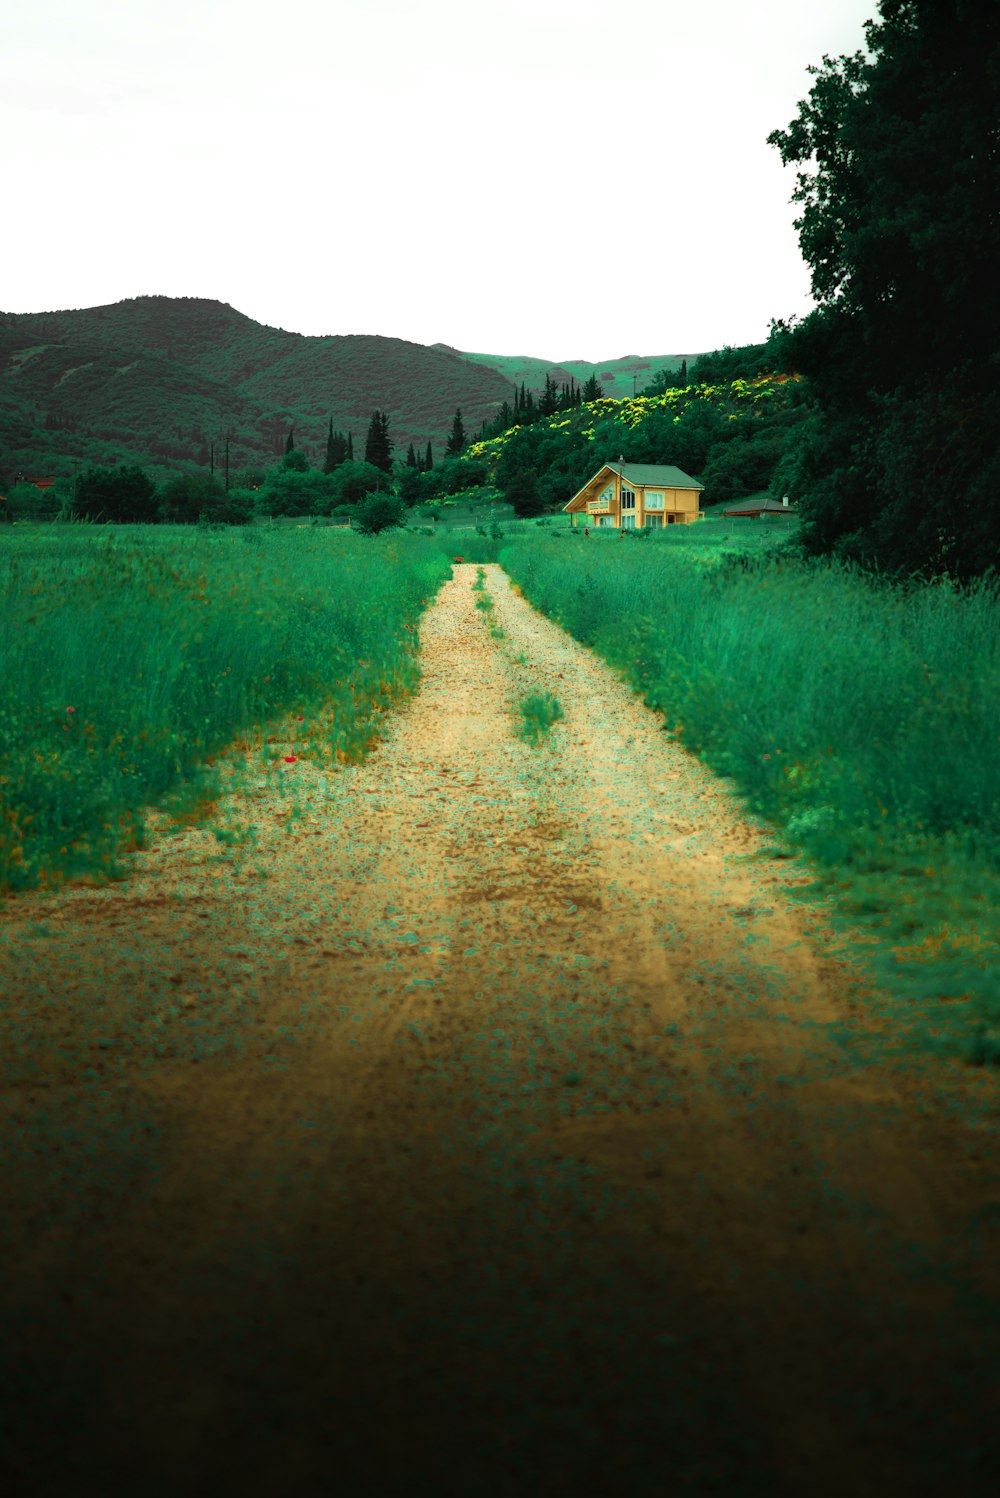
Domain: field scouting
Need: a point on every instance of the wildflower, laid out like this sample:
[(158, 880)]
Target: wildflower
[(290, 759), (71, 709)]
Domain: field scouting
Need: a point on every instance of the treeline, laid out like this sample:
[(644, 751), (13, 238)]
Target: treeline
[(731, 436), (525, 409), (898, 465), (374, 491)]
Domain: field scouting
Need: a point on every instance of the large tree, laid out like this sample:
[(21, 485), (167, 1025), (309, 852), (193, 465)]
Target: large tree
[(378, 448), (456, 442), (898, 185), (336, 449), (126, 495)]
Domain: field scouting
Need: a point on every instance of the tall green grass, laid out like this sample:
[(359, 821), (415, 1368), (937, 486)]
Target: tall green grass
[(863, 719), (127, 658)]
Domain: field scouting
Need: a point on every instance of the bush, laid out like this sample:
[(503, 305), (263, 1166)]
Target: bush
[(189, 496), (379, 512), (26, 502), (124, 495), (288, 491)]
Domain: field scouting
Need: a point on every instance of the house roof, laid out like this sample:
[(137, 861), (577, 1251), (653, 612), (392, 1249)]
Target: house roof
[(652, 475)]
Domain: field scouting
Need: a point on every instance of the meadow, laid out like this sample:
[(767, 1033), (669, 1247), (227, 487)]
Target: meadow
[(861, 719), (131, 657)]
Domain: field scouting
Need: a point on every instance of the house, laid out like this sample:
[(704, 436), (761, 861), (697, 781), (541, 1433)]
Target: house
[(636, 496), (756, 508)]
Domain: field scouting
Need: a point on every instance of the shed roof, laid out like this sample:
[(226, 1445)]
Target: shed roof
[(759, 507)]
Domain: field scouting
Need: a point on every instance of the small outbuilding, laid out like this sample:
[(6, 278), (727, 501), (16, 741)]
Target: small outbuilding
[(637, 496), (757, 508)]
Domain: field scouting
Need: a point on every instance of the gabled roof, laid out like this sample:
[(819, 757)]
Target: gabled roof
[(653, 475)]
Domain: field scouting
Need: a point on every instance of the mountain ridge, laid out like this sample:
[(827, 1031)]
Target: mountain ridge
[(161, 380)]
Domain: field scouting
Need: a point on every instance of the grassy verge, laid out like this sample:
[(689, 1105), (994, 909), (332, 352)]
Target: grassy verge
[(131, 657), (862, 719)]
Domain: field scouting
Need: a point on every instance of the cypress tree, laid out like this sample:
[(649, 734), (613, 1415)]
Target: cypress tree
[(290, 440), (411, 457), (457, 439), (682, 377), (350, 447), (378, 448), (428, 460), (336, 449), (549, 403)]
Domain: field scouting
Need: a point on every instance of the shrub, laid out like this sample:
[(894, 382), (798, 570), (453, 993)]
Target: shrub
[(379, 512), (538, 713), (125, 495)]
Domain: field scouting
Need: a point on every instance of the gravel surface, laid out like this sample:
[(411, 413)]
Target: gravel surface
[(480, 1119)]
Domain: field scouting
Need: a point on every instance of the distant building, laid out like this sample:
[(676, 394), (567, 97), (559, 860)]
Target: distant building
[(42, 483), (758, 507), (637, 496)]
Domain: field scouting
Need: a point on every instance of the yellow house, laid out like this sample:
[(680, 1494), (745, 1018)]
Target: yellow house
[(637, 496)]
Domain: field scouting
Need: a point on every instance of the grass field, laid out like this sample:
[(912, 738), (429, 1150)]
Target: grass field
[(130, 659), (863, 720)]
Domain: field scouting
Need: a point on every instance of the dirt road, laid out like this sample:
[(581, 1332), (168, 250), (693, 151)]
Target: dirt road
[(482, 1119)]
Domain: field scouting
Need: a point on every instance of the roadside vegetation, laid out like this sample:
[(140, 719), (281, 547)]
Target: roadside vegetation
[(861, 718), (131, 658), (538, 711)]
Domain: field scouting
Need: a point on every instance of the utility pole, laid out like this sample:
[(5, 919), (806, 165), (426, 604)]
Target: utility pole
[(227, 462), (211, 459)]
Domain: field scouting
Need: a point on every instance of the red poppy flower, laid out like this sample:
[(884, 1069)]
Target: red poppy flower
[(290, 759)]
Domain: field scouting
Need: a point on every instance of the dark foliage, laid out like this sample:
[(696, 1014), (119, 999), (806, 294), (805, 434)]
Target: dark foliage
[(897, 466), (379, 512), (189, 496), (125, 495), (456, 442), (337, 449), (521, 493), (378, 447)]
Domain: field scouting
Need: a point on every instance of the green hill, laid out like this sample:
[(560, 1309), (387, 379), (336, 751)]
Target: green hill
[(158, 379), (617, 378)]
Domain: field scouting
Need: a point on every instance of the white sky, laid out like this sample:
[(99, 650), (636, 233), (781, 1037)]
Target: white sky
[(567, 178)]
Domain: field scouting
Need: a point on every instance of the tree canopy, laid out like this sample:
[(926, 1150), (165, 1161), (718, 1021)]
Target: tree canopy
[(898, 185), (378, 448), (126, 495)]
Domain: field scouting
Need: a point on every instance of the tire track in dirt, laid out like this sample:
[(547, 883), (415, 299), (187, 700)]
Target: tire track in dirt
[(490, 1123)]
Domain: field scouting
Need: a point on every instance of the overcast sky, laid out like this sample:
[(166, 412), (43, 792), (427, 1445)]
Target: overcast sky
[(567, 178)]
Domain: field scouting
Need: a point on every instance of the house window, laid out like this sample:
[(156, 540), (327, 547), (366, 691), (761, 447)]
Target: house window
[(628, 499), (628, 522), (654, 520), (654, 500), (606, 495)]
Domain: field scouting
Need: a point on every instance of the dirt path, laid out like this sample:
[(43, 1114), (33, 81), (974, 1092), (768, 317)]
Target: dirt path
[(482, 1120)]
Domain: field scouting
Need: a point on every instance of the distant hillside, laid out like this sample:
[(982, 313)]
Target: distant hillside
[(617, 378), (159, 379)]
